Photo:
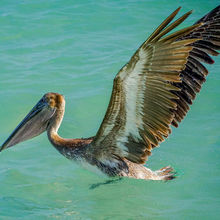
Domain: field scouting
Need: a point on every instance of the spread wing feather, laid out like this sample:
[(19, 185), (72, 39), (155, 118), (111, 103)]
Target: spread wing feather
[(194, 74), (154, 89)]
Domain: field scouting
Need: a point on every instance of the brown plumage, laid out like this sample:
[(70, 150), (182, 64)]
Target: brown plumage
[(150, 93)]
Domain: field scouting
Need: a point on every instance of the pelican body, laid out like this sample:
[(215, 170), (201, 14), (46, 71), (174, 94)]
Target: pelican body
[(151, 93)]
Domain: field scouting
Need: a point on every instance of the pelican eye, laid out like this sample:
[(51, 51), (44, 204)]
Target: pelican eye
[(51, 101)]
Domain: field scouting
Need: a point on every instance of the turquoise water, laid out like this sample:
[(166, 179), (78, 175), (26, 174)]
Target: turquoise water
[(76, 48)]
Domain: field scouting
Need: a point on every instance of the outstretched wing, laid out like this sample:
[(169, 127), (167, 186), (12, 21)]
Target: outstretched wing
[(153, 90), (194, 74)]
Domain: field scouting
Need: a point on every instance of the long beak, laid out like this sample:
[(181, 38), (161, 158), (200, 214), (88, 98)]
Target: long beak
[(32, 125)]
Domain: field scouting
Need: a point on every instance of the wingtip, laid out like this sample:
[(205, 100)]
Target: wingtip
[(177, 10), (189, 12)]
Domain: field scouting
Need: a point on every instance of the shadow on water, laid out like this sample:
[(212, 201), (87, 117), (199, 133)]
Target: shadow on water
[(94, 186)]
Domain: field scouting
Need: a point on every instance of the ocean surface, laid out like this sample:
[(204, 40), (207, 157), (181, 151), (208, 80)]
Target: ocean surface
[(76, 48)]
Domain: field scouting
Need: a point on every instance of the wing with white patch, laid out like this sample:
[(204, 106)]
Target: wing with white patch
[(145, 96)]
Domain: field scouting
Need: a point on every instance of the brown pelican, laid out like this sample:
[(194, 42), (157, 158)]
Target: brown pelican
[(151, 93)]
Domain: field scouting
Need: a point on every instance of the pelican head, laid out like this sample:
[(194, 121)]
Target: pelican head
[(42, 115)]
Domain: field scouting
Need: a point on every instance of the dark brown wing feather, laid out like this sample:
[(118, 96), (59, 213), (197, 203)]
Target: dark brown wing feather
[(155, 88), (194, 75)]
